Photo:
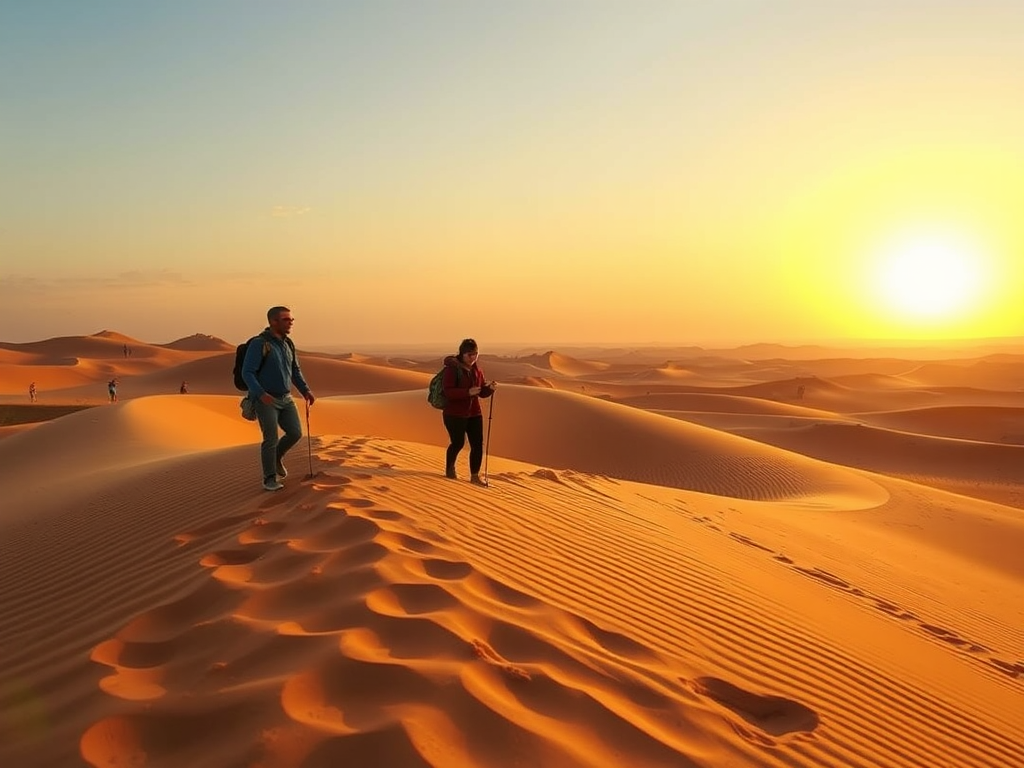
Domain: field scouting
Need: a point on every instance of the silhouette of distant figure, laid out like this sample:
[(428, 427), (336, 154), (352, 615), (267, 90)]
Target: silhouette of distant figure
[(32, 392), (112, 390), (126, 350), (183, 389), (800, 392)]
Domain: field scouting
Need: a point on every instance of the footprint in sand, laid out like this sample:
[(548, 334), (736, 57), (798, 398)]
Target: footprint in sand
[(241, 556), (363, 503), (749, 542), (825, 576), (1013, 670), (546, 474), (617, 643), (384, 514), (214, 526), (488, 654), (775, 715), (447, 570), (894, 610), (325, 480), (943, 634)]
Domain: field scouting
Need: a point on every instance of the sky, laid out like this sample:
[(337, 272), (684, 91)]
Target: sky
[(709, 172)]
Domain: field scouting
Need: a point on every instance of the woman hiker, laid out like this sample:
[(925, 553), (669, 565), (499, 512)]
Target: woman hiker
[(464, 385)]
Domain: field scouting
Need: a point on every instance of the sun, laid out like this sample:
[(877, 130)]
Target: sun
[(930, 275)]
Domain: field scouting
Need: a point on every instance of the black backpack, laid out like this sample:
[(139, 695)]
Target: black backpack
[(240, 351)]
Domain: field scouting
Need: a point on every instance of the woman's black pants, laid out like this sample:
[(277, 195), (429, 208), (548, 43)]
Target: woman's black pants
[(458, 428)]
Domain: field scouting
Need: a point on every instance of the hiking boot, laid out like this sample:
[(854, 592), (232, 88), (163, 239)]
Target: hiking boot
[(271, 484), (477, 480), (449, 472), (281, 471)]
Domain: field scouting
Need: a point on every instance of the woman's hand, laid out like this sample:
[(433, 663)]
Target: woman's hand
[(474, 391)]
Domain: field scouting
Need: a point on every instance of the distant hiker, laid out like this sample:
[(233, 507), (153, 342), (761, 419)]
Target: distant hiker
[(32, 392), (464, 385), (112, 390), (800, 392), (126, 350), (183, 389), (269, 370)]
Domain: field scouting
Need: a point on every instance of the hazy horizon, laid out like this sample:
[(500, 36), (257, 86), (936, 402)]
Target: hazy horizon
[(418, 171), (1007, 344)]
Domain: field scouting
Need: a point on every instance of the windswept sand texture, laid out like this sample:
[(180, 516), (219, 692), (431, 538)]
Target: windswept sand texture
[(667, 570)]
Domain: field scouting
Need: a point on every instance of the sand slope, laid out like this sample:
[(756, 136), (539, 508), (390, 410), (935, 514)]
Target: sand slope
[(976, 468), (696, 575), (565, 430), (992, 424), (382, 615)]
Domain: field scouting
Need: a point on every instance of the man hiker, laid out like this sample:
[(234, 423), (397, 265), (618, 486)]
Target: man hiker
[(269, 370)]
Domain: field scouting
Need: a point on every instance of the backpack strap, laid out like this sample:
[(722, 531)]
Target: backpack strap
[(266, 348)]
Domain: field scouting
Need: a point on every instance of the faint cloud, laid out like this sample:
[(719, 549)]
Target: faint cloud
[(142, 279), (286, 211), (24, 284)]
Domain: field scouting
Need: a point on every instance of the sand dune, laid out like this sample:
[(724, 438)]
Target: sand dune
[(759, 580), (200, 342), (18, 357), (671, 374), (172, 614), (555, 429), (1002, 374), (979, 469), (749, 424), (872, 381), (327, 375), (101, 345), (852, 397), (335, 377), (570, 366), (719, 403), (76, 368), (157, 370), (993, 424)]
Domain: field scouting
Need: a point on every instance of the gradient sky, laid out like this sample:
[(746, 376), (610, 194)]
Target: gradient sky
[(678, 172)]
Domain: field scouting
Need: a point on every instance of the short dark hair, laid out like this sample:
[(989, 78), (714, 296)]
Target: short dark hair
[(467, 345), (275, 312)]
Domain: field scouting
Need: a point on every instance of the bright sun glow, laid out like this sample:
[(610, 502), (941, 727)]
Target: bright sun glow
[(930, 276)]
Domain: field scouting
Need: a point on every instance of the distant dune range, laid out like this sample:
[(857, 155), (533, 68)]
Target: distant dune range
[(688, 562)]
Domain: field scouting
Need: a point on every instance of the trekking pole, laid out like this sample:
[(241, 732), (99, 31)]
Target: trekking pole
[(309, 443), (487, 444)]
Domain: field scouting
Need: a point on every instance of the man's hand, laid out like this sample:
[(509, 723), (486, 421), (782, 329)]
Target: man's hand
[(266, 399), (309, 397)]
